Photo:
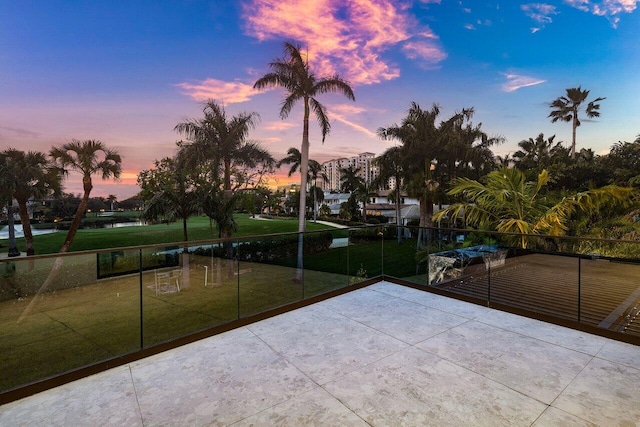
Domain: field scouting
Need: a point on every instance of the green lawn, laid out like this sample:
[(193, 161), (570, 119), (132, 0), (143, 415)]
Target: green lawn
[(80, 320), (44, 334), (198, 228)]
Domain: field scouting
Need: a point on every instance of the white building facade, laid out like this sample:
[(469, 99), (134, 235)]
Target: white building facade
[(364, 162)]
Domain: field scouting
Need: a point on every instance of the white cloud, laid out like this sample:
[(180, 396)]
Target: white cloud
[(608, 8), (518, 81), (540, 13)]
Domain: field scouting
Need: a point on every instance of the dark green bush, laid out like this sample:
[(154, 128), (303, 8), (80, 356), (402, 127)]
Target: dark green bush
[(280, 248)]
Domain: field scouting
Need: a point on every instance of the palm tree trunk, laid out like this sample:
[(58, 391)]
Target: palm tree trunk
[(304, 170), (426, 212), (13, 249), (26, 226), (573, 140), (75, 224), (315, 201), (398, 213)]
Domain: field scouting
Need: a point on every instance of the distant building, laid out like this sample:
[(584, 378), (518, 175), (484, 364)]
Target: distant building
[(289, 188), (363, 161)]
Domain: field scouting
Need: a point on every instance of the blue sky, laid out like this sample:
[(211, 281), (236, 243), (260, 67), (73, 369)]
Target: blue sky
[(126, 72)]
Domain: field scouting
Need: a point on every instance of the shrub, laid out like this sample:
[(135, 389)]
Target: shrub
[(281, 248)]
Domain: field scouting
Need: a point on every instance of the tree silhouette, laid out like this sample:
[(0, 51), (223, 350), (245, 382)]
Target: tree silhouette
[(566, 109)]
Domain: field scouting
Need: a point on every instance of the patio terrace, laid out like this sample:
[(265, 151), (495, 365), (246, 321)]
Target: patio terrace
[(382, 355)]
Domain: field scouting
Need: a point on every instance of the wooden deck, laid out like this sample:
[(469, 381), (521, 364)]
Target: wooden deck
[(596, 292)]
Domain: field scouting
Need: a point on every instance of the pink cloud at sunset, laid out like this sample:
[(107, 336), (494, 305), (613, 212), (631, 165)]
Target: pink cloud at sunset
[(349, 37), (277, 126), (226, 92)]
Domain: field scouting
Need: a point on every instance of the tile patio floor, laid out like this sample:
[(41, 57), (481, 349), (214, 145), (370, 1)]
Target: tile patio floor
[(384, 355)]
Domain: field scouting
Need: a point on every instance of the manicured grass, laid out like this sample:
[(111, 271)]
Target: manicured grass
[(80, 320), (198, 228), (49, 333)]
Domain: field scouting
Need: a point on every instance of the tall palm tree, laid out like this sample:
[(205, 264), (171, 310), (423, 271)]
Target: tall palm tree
[(292, 72), (87, 157), (538, 154), (219, 143), (422, 143), (294, 158), (360, 189), (566, 108), (33, 177), (315, 172), (223, 141), (6, 199), (510, 203), (350, 182), (466, 151)]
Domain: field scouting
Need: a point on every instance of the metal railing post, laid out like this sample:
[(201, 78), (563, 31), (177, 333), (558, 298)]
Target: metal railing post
[(141, 307), (579, 286)]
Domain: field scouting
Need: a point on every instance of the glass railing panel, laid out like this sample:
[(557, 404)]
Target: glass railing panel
[(538, 278), (457, 261), (399, 254), (365, 253), (410, 261), (325, 261), (609, 286), (269, 275), (186, 290), (57, 316)]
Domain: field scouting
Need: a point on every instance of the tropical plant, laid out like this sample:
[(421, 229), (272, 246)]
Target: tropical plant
[(324, 210), (30, 175), (431, 154), (169, 191), (466, 149), (292, 72), (422, 143), (566, 109), (88, 157), (352, 182), (509, 203), (6, 199), (537, 154), (294, 158), (389, 166), (623, 163), (217, 146), (584, 172)]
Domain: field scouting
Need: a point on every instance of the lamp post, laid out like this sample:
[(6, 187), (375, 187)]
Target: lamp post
[(13, 249)]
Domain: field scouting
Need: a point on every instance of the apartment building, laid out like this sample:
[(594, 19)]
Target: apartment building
[(364, 161)]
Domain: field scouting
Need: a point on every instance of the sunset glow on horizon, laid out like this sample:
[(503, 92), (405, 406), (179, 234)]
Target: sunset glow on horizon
[(126, 73)]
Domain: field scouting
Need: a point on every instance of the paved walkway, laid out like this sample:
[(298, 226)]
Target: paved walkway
[(328, 223), (384, 355)]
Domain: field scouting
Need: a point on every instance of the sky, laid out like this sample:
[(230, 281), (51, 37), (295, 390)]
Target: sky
[(125, 72)]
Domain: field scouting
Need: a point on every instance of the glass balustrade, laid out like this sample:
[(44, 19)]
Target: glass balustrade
[(64, 312)]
